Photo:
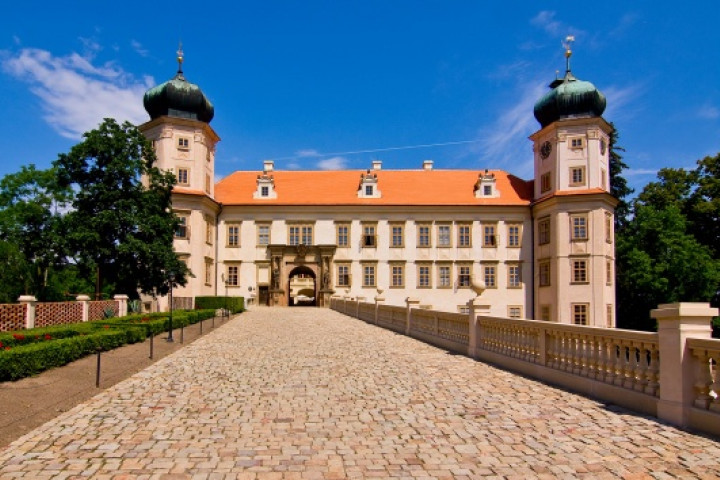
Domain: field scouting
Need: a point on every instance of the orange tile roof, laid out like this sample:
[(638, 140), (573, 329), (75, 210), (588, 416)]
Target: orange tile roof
[(397, 187)]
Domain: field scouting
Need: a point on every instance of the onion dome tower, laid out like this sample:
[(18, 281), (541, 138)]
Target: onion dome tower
[(575, 279), (184, 142), (178, 98)]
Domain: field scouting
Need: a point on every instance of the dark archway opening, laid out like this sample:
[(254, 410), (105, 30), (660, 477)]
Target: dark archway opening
[(302, 288)]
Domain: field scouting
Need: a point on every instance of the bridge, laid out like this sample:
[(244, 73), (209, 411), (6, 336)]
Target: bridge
[(312, 393)]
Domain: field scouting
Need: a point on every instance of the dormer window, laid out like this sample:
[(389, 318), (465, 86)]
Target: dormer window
[(368, 186), (183, 143), (485, 186), (265, 187)]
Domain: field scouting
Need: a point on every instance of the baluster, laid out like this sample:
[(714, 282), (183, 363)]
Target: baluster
[(585, 355), (653, 372), (703, 379), (603, 357), (642, 368), (630, 366), (619, 363), (715, 371), (591, 356)]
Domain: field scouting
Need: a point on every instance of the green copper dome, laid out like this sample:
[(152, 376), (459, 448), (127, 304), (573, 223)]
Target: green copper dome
[(178, 98), (569, 98)]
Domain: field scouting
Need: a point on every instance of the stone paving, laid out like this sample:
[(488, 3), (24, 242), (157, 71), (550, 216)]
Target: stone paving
[(309, 393)]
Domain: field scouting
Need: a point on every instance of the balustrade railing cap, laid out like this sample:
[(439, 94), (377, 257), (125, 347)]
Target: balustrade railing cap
[(683, 309), (26, 298), (83, 298), (412, 300), (121, 296)]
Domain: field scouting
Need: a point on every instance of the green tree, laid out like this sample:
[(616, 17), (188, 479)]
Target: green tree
[(660, 261), (704, 203), (31, 204), (121, 226), (618, 185)]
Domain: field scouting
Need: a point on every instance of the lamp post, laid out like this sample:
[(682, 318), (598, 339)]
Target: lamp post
[(171, 278)]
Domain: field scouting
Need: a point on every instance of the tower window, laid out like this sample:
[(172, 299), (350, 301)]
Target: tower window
[(544, 231), (545, 182), (544, 273), (576, 143), (183, 143), (578, 226), (579, 271), (182, 176), (577, 176)]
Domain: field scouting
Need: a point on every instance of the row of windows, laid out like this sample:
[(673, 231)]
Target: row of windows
[(579, 272), (579, 230), (580, 314), (576, 175), (443, 276), (303, 234)]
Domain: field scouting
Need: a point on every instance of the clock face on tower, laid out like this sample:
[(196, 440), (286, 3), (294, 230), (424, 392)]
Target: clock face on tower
[(545, 150)]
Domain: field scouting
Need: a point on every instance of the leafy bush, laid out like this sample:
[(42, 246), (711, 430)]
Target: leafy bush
[(234, 304), (29, 352)]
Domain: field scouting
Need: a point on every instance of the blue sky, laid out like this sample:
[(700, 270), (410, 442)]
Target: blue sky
[(310, 84)]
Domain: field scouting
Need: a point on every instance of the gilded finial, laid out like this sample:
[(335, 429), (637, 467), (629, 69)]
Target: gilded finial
[(180, 57), (568, 51)]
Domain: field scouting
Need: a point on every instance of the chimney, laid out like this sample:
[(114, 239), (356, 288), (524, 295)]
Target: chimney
[(268, 165), (427, 164), (376, 164)]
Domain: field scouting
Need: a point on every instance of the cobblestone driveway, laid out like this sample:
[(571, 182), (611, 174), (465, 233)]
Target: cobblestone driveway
[(309, 393)]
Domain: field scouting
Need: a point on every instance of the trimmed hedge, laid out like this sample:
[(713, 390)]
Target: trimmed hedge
[(29, 352), (234, 304)]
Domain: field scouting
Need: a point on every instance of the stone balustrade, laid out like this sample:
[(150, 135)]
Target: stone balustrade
[(29, 313), (619, 366)]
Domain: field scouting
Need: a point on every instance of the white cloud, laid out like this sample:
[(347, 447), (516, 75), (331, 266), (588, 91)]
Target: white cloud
[(504, 143), (634, 172), (621, 101), (139, 49), (75, 94), (545, 19), (709, 112), (309, 152), (333, 163)]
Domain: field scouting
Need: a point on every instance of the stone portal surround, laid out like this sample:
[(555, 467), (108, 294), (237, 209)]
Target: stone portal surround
[(309, 393)]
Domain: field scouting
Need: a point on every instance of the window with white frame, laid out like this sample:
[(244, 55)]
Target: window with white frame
[(423, 276), (444, 275), (514, 275), (443, 236), (233, 235)]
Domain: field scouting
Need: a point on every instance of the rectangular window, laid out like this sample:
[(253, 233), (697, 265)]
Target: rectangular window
[(208, 272), (208, 231), (232, 275), (182, 176), (489, 276), (398, 236), (369, 238), (300, 235), (580, 313), (264, 191), (233, 235), (424, 276), (368, 275), (608, 228), (487, 190), (603, 179), (183, 229), (609, 315), (368, 190), (608, 272), (576, 143), (183, 143), (489, 236), (464, 236), (423, 236), (464, 276), (514, 276), (545, 182), (343, 275), (544, 231), (579, 271), (545, 313), (263, 234), (514, 311), (444, 272), (463, 309), (578, 227), (544, 273), (443, 236), (513, 232), (577, 176), (397, 276), (342, 236)]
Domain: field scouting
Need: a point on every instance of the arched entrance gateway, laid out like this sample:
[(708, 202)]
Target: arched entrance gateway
[(302, 288), (300, 275)]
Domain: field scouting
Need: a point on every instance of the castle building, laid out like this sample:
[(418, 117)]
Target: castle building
[(544, 248)]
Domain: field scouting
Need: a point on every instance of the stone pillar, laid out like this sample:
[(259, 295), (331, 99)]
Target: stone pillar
[(475, 307), (85, 300), (358, 300), (122, 300), (678, 322), (411, 303), (30, 302), (379, 299)]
